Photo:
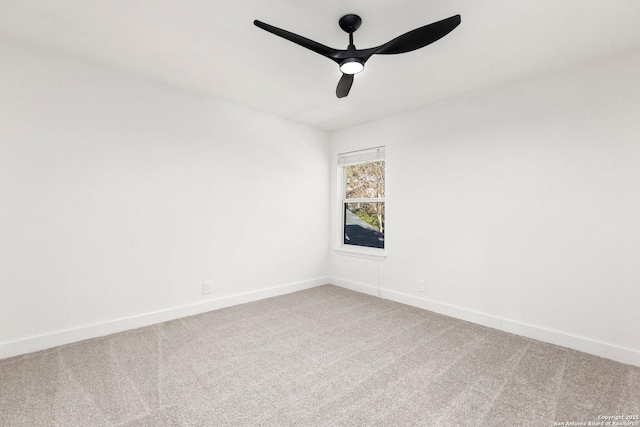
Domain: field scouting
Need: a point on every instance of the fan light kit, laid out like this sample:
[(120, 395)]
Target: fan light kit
[(352, 60), (352, 66)]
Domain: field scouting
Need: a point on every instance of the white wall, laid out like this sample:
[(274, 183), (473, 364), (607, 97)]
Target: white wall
[(119, 196), (519, 207)]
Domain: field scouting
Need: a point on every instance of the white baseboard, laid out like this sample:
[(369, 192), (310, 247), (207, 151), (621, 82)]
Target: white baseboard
[(355, 286), (563, 339), (55, 339)]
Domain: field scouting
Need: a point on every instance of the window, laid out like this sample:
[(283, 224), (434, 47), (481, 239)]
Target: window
[(363, 198)]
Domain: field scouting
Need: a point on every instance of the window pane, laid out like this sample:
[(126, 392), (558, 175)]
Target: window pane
[(364, 224), (365, 181)]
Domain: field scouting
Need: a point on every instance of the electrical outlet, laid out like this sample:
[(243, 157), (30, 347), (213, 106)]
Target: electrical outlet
[(421, 285), (206, 287)]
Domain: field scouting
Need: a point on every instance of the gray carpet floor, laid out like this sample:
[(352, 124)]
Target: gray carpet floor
[(322, 357)]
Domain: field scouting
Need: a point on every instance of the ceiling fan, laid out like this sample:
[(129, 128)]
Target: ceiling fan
[(352, 60)]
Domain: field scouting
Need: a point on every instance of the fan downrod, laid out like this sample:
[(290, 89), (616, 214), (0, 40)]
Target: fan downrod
[(350, 23)]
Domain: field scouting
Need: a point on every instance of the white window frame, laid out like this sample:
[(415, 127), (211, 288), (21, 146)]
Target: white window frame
[(344, 160)]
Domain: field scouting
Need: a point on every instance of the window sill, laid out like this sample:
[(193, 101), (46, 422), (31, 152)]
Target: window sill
[(362, 252)]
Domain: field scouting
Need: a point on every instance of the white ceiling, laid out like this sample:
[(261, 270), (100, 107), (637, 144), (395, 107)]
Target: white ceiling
[(212, 46)]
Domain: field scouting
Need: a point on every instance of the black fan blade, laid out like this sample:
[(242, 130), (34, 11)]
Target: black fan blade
[(302, 41), (344, 85), (420, 37)]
